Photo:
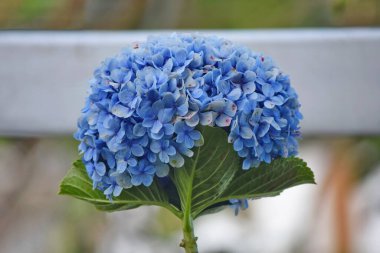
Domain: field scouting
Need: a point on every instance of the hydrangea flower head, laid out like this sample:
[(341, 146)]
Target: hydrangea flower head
[(144, 105)]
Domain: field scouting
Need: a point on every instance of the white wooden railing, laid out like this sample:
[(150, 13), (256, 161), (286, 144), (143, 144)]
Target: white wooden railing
[(43, 75)]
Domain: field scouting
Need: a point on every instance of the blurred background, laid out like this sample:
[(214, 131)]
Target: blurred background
[(186, 14), (340, 214)]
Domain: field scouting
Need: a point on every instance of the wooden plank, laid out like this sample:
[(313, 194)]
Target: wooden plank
[(336, 72)]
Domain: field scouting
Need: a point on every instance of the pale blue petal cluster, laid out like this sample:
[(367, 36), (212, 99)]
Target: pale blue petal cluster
[(144, 105)]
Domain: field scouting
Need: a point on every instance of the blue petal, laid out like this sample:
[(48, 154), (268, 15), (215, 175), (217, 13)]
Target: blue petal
[(168, 99), (155, 146), (168, 129), (276, 126), (234, 94), (124, 181), (158, 60), (223, 120), (132, 162), (117, 191), (171, 150), (137, 150), (167, 68), (180, 56), (182, 110), (121, 111), (152, 157), (249, 88), (148, 122), (163, 157), (150, 80), (195, 135), (177, 161), (88, 154), (269, 104), (282, 122), (224, 86), (121, 166), (149, 169), (255, 117), (136, 180), (246, 164), (268, 91), (96, 177), (179, 127), (277, 100), (180, 138), (197, 60), (100, 168), (190, 82), (157, 136), (249, 76), (197, 93), (189, 143), (193, 121), (243, 152), (216, 106), (109, 190), (109, 157), (162, 170), (238, 144), (165, 115), (267, 158), (230, 109), (125, 96), (268, 147), (89, 168), (263, 130), (257, 97), (246, 132), (206, 118), (147, 180), (157, 125), (186, 152), (139, 130), (242, 65), (117, 75)]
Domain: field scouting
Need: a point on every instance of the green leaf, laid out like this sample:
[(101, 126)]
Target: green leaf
[(205, 184), (207, 174), (214, 175), (269, 179), (77, 184)]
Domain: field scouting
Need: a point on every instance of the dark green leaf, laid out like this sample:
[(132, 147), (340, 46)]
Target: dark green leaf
[(207, 174), (268, 180), (214, 175), (203, 185)]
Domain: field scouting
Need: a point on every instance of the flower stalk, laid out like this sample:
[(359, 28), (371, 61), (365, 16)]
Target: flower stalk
[(189, 241)]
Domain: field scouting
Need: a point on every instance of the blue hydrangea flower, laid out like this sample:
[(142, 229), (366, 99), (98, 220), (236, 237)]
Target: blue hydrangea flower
[(142, 173), (163, 148), (186, 135), (144, 105)]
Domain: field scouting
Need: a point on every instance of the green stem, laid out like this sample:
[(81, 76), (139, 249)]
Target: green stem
[(189, 241)]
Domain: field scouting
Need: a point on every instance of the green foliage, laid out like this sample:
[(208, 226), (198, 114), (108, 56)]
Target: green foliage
[(203, 185), (77, 184)]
